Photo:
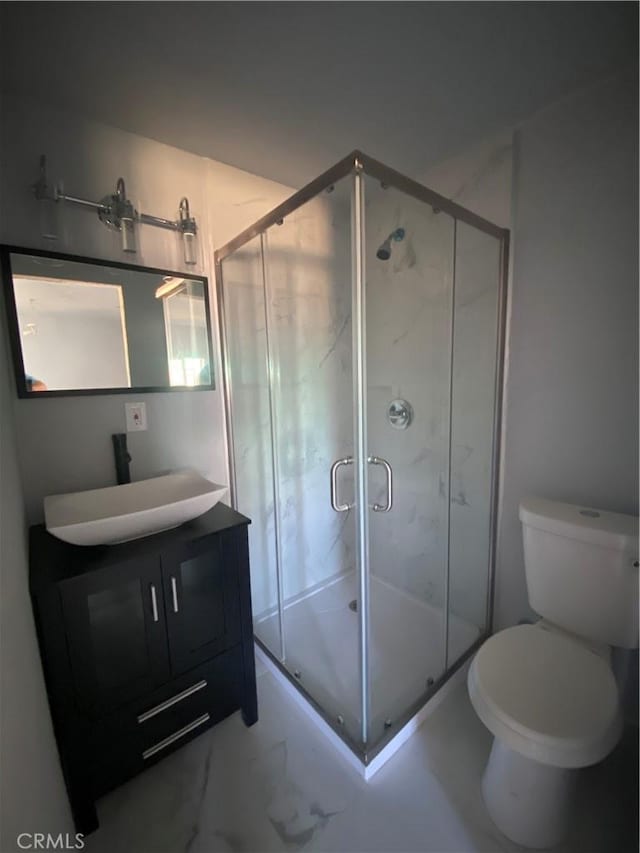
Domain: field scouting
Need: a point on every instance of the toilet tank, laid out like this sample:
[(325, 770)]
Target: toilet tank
[(581, 566)]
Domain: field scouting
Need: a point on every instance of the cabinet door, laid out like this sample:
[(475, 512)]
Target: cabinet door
[(201, 594), (116, 632)]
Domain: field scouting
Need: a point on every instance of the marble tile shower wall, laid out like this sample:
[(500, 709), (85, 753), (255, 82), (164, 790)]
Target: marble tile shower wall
[(308, 269), (408, 334), (472, 420), (409, 326), (480, 179)]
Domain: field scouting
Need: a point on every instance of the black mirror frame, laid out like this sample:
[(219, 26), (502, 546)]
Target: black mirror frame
[(14, 328)]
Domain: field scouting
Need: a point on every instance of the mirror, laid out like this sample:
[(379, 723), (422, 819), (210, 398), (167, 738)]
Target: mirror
[(83, 326)]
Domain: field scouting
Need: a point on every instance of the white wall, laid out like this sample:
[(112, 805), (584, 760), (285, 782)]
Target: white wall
[(64, 444), (572, 389), (32, 793)]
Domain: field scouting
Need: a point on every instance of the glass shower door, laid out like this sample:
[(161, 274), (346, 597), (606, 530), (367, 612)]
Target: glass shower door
[(408, 310), (307, 284)]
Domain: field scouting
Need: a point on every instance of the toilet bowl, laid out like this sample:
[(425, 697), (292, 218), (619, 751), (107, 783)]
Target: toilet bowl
[(546, 696), (546, 691), (552, 706)]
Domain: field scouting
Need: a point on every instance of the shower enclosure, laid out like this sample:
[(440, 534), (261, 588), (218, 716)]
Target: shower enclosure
[(362, 325)]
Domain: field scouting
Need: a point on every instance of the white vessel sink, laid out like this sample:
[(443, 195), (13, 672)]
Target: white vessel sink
[(120, 513)]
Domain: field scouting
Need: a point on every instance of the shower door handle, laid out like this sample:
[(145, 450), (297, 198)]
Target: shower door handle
[(378, 460), (338, 507)]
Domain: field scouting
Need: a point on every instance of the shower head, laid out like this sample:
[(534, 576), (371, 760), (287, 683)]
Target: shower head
[(384, 250)]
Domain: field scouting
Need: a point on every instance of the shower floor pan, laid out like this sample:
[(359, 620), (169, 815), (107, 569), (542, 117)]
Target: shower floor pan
[(406, 654)]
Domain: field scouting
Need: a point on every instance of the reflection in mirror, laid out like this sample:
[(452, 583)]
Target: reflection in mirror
[(186, 331), (80, 326), (72, 333)]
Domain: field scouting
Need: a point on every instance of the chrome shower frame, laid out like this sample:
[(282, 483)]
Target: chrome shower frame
[(358, 165)]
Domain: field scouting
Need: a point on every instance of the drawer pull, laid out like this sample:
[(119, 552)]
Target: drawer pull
[(163, 744), (158, 709)]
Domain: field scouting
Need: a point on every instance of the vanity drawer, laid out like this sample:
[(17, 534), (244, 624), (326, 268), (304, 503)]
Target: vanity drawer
[(213, 688), (144, 732)]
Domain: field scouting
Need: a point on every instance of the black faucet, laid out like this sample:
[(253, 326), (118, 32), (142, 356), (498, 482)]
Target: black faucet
[(122, 457)]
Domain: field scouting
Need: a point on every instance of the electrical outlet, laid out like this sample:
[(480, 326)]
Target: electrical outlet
[(136, 415)]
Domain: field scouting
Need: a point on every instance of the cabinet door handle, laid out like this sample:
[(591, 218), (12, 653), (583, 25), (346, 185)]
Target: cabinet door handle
[(174, 593), (154, 603)]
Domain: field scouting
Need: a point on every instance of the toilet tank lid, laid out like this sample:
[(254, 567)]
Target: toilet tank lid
[(595, 526)]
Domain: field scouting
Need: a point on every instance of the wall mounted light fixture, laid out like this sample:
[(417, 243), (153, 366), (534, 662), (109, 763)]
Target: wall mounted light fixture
[(116, 211), (170, 285)]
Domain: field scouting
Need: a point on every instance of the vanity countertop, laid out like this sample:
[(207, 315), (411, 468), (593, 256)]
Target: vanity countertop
[(52, 560)]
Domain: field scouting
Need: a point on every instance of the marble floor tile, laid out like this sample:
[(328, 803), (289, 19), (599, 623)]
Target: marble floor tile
[(279, 786)]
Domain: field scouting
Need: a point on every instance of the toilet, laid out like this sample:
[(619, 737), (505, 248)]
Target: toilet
[(546, 691)]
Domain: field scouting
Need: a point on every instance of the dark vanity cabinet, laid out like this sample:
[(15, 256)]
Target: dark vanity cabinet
[(144, 646)]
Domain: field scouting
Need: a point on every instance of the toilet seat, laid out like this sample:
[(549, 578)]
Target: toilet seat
[(546, 696)]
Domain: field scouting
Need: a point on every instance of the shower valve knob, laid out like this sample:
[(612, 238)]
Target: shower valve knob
[(400, 414)]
